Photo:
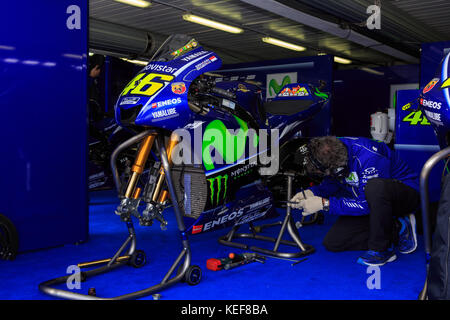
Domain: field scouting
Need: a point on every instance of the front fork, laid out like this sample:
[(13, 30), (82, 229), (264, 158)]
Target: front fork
[(154, 195)]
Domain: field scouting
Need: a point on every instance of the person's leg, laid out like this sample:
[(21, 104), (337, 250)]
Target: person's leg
[(349, 233), (387, 199)]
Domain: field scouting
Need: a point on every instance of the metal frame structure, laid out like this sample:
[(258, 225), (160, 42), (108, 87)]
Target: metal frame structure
[(288, 223), (119, 260), (424, 199)]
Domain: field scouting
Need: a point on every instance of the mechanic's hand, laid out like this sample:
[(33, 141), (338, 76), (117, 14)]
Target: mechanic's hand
[(299, 196), (311, 205)]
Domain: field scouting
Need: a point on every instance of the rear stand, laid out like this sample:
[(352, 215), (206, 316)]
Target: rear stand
[(136, 258), (288, 222)]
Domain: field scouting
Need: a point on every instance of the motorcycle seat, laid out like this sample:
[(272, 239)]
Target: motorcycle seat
[(287, 107)]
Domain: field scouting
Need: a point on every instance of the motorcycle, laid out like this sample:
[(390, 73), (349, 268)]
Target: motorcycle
[(176, 95), (202, 148), (434, 102)]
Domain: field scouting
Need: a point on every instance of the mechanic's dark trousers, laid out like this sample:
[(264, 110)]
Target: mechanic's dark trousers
[(387, 199)]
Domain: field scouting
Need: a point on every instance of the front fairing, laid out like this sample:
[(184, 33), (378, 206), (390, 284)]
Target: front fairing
[(435, 101), (158, 95)]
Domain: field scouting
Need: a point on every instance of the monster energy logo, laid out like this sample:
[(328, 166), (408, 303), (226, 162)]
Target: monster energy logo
[(275, 88), (212, 188), (321, 94)]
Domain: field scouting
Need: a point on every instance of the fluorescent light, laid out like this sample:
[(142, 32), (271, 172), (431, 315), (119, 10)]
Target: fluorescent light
[(212, 24), (342, 60), (136, 3), (378, 73), (73, 56), (49, 64), (283, 44), (30, 62), (140, 62), (11, 60), (7, 48)]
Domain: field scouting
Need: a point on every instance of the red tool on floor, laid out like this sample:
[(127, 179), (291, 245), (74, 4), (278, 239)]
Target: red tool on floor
[(233, 260)]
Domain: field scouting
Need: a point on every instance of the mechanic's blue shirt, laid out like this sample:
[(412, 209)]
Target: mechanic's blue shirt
[(367, 159)]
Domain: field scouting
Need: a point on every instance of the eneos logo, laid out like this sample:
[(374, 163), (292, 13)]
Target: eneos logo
[(164, 103), (431, 104)]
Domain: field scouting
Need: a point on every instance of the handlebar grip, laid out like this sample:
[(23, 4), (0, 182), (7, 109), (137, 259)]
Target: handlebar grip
[(223, 93)]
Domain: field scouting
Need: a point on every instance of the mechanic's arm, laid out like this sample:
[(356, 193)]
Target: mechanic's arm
[(326, 188), (348, 206), (374, 166)]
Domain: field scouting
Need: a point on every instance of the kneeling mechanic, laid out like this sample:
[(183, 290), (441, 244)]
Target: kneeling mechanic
[(373, 192)]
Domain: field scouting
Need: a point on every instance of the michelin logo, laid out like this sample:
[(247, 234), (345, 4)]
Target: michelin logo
[(129, 100)]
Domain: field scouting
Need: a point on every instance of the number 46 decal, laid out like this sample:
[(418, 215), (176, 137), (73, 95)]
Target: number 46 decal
[(148, 85), (416, 117)]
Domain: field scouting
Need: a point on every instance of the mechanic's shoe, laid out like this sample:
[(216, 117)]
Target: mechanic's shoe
[(375, 258), (407, 236)]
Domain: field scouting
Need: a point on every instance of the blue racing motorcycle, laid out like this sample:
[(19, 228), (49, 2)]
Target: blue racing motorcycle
[(207, 148)]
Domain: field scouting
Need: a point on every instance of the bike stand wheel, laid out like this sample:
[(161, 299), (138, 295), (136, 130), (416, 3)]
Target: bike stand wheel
[(138, 259), (193, 275)]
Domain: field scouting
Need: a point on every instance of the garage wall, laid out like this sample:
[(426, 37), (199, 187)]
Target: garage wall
[(272, 74), (357, 94), (43, 99)]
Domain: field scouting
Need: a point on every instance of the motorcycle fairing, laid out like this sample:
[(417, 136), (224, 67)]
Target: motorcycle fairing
[(158, 97), (162, 88), (251, 202), (435, 101)]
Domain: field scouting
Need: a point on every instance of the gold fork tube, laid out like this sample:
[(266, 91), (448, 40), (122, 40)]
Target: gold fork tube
[(171, 145), (163, 197), (139, 163)]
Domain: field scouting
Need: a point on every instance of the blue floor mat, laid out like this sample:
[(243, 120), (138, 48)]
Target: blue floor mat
[(323, 276)]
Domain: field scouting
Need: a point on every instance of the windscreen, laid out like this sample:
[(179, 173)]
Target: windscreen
[(174, 47)]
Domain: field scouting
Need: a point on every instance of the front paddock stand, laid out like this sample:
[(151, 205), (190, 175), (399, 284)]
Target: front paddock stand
[(288, 223), (185, 272)]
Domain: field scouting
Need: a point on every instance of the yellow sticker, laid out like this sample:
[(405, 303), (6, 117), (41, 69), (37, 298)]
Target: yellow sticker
[(148, 85), (446, 84), (406, 106)]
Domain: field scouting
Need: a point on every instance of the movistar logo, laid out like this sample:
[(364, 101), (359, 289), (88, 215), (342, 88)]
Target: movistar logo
[(275, 88), (230, 146), (320, 94), (215, 187)]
